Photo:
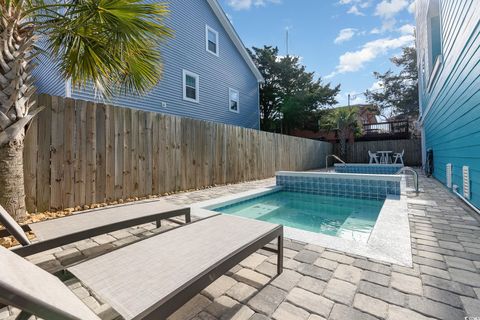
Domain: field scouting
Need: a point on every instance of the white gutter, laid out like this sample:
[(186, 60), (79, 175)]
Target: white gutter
[(455, 188)]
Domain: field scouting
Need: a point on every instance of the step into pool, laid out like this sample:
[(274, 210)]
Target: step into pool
[(350, 218)]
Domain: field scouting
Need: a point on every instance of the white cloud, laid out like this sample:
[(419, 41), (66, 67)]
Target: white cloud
[(247, 4), (406, 29), (355, 5), (387, 9), (375, 31), (354, 10), (412, 6), (345, 35), (377, 85), (353, 61), (365, 4)]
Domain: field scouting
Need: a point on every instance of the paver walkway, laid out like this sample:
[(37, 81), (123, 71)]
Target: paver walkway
[(323, 284)]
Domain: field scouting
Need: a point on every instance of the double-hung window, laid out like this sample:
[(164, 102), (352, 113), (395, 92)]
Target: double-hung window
[(191, 85), (211, 37), (234, 100)]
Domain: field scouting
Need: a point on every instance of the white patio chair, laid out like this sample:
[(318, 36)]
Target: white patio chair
[(373, 157), (398, 157)]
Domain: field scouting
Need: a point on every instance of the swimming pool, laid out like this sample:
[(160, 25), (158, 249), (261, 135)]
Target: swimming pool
[(343, 217), (361, 214)]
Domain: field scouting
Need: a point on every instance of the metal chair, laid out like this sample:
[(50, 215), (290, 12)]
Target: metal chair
[(398, 157), (373, 157)]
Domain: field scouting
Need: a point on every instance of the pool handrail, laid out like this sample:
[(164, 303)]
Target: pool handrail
[(415, 174), (333, 156)]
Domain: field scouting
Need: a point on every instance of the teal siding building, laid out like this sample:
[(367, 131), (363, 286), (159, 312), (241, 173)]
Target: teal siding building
[(448, 48)]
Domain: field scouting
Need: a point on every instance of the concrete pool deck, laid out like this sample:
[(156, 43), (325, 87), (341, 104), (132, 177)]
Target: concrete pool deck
[(320, 283)]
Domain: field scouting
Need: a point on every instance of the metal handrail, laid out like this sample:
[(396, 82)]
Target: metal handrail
[(415, 174), (333, 156)]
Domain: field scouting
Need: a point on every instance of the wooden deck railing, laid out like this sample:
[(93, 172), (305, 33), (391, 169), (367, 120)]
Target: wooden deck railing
[(386, 130)]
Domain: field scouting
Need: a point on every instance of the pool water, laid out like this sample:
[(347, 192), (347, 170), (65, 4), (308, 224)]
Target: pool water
[(349, 218)]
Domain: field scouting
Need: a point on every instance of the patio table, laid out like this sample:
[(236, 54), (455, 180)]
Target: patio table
[(385, 156)]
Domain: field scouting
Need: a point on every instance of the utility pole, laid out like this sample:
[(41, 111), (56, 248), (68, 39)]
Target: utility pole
[(349, 99), (287, 40)]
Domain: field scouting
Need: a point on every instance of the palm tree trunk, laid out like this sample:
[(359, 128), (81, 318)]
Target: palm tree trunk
[(17, 107), (12, 190), (343, 145)]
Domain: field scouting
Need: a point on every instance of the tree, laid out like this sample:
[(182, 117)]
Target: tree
[(399, 92), (113, 43), (290, 95), (345, 121)]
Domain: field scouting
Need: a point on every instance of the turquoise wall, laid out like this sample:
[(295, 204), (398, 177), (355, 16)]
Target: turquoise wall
[(450, 95)]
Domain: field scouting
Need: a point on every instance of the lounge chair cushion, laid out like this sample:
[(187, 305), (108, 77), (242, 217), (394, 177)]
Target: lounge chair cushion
[(134, 278), (13, 227), (29, 288), (88, 220)]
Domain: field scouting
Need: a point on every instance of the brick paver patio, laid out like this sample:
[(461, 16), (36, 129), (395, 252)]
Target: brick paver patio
[(318, 283)]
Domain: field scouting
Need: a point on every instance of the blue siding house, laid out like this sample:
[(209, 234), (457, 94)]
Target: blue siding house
[(448, 48), (208, 74)]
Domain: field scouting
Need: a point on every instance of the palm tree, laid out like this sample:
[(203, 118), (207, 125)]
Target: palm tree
[(110, 43), (345, 121)]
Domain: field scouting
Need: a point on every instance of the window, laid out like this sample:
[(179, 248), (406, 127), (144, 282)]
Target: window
[(190, 86), (212, 40), (434, 34), (234, 100)]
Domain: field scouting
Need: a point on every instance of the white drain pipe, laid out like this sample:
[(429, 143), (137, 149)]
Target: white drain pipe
[(455, 190)]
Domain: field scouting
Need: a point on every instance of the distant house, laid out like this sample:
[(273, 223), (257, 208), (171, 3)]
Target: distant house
[(367, 114), (208, 74), (448, 47)]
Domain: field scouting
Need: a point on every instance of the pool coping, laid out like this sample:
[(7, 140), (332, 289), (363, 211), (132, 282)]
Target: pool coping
[(339, 175), (351, 164), (389, 240)]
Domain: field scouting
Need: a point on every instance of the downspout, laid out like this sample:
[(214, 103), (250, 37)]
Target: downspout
[(68, 88), (455, 190), (258, 108)]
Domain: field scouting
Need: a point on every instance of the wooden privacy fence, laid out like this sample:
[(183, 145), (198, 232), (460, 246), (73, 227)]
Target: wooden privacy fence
[(80, 153), (358, 151)]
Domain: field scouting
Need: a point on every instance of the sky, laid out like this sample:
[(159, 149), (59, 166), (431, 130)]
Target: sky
[(342, 41)]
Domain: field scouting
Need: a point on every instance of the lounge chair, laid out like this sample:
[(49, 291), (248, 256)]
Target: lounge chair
[(58, 232), (149, 279)]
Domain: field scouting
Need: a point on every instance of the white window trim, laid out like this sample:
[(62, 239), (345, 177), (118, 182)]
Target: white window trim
[(230, 90), (207, 29), (436, 70), (197, 86)]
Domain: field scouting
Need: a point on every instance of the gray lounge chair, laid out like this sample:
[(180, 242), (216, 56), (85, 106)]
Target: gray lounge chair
[(149, 279), (58, 232)]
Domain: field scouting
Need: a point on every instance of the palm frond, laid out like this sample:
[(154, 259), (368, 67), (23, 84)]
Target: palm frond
[(112, 43)]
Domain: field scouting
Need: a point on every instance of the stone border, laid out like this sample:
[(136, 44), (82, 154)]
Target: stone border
[(389, 241)]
